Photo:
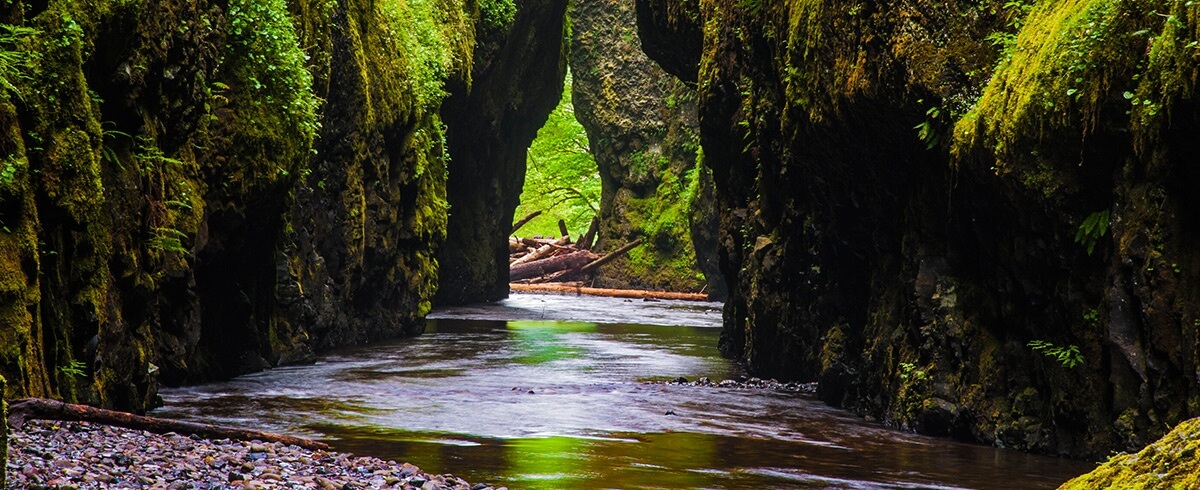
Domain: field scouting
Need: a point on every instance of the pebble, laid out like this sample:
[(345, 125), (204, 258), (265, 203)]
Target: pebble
[(85, 456)]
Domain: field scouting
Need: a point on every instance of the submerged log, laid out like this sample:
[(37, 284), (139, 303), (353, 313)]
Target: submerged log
[(573, 260), (41, 408), (612, 293)]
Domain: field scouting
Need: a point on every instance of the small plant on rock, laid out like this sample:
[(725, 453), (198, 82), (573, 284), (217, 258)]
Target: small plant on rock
[(1069, 356), (73, 368)]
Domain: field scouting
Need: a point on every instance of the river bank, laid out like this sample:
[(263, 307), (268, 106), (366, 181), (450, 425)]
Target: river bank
[(64, 455)]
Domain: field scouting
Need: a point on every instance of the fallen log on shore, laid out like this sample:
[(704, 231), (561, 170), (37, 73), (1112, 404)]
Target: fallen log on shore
[(612, 293), (541, 267), (46, 409)]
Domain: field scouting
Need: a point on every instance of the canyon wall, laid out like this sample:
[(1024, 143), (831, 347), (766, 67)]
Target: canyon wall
[(519, 68), (195, 190), (967, 219), (643, 131)]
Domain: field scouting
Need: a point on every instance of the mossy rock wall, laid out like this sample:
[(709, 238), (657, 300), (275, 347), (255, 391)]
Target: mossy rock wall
[(195, 190), (3, 435), (643, 131), (903, 189), (519, 67)]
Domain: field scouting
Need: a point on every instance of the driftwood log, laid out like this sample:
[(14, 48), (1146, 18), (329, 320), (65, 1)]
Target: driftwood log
[(41, 408), (573, 260), (612, 293)]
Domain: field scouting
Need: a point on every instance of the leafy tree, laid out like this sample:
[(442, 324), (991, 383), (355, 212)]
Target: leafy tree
[(561, 178)]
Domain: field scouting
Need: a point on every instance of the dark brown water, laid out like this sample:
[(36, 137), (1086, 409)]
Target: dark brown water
[(523, 393)]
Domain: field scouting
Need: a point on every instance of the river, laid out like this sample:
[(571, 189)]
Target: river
[(565, 392)]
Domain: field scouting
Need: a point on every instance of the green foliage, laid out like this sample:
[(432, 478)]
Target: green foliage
[(928, 130), (73, 368), (418, 29), (168, 240), (909, 370), (1172, 69), (1068, 356), (8, 170), (272, 65), (496, 15), (1015, 12), (561, 178), (13, 60), (1094, 227)]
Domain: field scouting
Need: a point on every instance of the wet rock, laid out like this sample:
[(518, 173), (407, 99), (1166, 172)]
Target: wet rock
[(744, 383)]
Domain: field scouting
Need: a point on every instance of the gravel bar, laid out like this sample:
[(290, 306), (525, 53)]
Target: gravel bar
[(81, 455)]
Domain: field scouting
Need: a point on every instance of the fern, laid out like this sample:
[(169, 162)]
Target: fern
[(1068, 356), (1092, 229)]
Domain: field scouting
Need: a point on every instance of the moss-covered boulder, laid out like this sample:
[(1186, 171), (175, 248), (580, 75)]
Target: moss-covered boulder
[(919, 201), (642, 130), (194, 190), (1169, 463)]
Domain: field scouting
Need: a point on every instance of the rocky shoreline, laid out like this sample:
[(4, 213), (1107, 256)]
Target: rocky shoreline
[(747, 383), (81, 455)]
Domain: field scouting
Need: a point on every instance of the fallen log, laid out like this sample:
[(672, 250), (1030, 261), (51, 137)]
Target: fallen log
[(542, 252), (560, 276), (608, 258), (573, 260), (611, 293), (538, 242), (521, 222), (45, 409), (562, 228)]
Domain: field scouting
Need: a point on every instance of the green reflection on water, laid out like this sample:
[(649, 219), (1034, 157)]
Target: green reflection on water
[(664, 460), (540, 342), (549, 462)]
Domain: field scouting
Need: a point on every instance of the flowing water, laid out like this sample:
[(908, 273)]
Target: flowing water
[(565, 392)]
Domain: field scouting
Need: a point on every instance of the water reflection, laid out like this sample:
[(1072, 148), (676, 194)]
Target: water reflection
[(563, 404)]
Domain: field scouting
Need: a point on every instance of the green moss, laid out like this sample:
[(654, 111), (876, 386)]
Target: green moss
[(1074, 61), (667, 258), (274, 118), (1172, 71), (1170, 463), (496, 16)]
